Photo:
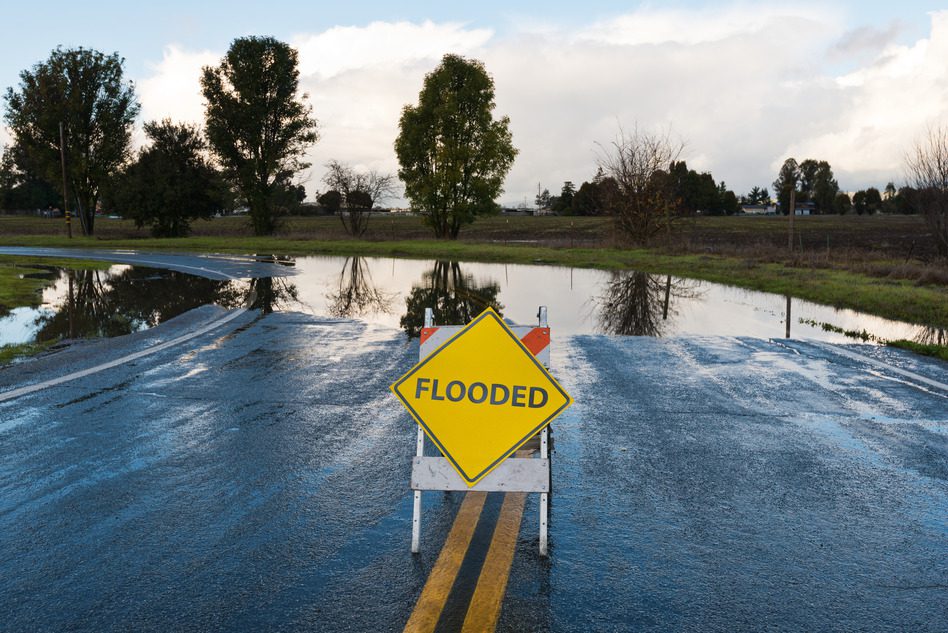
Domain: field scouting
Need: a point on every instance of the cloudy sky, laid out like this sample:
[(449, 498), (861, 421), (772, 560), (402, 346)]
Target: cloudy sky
[(743, 84)]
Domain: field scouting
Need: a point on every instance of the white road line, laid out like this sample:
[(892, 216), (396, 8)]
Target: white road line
[(879, 364), (22, 391)]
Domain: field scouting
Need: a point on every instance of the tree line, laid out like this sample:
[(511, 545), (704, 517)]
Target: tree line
[(72, 117), (693, 193)]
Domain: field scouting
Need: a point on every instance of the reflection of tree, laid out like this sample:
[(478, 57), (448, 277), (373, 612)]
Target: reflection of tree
[(456, 298), (357, 294), (929, 335), (638, 304), (103, 305), (271, 293)]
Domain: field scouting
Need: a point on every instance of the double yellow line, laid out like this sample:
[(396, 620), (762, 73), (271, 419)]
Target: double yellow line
[(484, 609)]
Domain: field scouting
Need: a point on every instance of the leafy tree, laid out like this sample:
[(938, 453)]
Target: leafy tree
[(172, 183), (757, 195), (873, 200), (842, 204), (698, 193), (729, 202), (822, 189), (256, 124), (815, 183), (331, 200), (543, 199), (890, 191), (563, 203), (21, 189), (787, 181), (453, 155), (859, 202), (906, 200), (83, 91), (359, 192), (590, 199)]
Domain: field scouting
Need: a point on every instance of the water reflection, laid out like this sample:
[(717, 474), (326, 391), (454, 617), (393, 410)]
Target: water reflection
[(932, 336), (638, 304), (356, 294), (268, 294), (104, 304), (455, 297)]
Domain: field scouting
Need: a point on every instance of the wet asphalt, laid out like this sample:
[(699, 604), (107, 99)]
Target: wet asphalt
[(256, 479)]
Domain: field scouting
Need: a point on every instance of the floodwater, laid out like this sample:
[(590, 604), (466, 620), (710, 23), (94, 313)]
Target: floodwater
[(394, 293)]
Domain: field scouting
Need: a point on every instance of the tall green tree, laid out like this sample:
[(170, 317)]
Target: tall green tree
[(84, 91), (172, 183), (256, 122), (842, 204), (817, 185), (787, 180), (873, 200), (453, 155), (563, 203)]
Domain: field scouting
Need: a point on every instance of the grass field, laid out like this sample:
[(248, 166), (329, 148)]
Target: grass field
[(882, 265)]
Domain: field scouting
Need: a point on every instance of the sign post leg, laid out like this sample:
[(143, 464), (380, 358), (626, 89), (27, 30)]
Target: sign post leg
[(544, 497), (542, 319), (416, 513), (420, 452)]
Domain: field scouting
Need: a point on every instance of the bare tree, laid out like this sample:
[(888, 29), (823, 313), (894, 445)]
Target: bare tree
[(634, 303), (928, 174), (359, 192), (642, 203)]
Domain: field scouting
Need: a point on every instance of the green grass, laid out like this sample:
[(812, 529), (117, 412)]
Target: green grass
[(868, 264), (926, 349), (9, 353)]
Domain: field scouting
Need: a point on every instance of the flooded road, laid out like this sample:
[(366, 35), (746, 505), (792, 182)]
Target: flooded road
[(394, 293), (257, 479)]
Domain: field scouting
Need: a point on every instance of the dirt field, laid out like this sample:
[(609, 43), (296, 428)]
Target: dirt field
[(865, 237)]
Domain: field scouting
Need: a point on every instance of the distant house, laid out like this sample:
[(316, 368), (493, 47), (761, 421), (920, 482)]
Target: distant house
[(759, 209), (806, 208)]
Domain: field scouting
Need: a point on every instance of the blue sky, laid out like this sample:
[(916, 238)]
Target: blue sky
[(792, 78)]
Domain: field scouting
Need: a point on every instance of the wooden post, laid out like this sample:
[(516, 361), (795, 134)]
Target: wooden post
[(788, 316), (793, 212), (62, 159)]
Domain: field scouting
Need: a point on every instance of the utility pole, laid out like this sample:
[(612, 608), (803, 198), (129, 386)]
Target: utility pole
[(793, 212), (62, 158)]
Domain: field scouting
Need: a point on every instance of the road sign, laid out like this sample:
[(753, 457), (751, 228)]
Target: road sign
[(480, 396)]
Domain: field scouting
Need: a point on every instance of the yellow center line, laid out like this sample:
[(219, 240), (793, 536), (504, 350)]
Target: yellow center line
[(433, 597), (488, 596)]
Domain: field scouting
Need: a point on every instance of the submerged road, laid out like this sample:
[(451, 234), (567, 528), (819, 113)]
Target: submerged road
[(256, 478)]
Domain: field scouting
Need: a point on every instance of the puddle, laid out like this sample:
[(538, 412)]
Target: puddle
[(393, 293), (112, 302)]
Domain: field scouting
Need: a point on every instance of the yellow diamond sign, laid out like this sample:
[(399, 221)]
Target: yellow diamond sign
[(480, 396)]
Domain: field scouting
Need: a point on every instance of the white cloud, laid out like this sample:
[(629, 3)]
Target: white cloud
[(700, 26), (383, 45), (173, 89), (744, 86), (886, 106)]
